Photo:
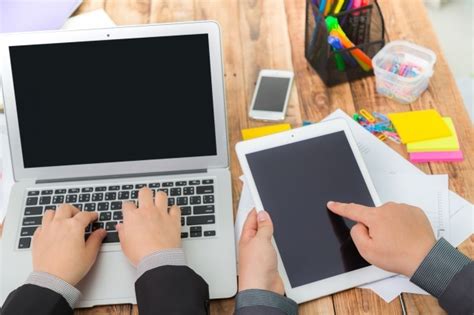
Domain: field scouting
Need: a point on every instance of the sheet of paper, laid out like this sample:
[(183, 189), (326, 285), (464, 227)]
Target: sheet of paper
[(93, 19), (390, 288)]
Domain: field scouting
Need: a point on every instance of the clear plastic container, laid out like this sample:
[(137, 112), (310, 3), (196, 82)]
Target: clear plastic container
[(403, 70)]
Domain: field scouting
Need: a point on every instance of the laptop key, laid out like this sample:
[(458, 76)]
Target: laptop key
[(185, 210), (97, 225), (44, 200), (50, 207), (110, 226), (171, 202), (167, 184), (73, 190), (103, 206), (105, 216), (71, 198), (31, 201), (33, 193), (78, 205), (59, 191), (175, 192), (182, 221), (89, 207), (154, 185), (181, 183), (110, 195), (58, 199), (134, 194), (138, 186), (196, 231), (203, 209), (114, 187), (182, 201), (123, 195), (47, 192), (194, 182), (28, 231), (25, 242), (101, 188), (84, 197), (127, 187), (117, 215), (201, 219), (97, 196), (195, 200), (32, 221), (165, 190), (184, 234), (188, 191), (116, 205), (87, 189), (208, 181), (209, 233), (208, 199), (112, 237), (205, 190), (33, 210)]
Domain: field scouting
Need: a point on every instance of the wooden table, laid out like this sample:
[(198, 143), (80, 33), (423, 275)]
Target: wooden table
[(269, 34)]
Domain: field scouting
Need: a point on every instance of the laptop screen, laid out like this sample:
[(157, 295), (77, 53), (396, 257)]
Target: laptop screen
[(114, 100)]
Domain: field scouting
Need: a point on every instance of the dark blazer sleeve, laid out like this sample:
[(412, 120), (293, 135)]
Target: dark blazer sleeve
[(172, 290), (458, 298), (32, 299)]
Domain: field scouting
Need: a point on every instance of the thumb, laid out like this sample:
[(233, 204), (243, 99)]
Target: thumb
[(360, 236), (265, 225), (93, 243)]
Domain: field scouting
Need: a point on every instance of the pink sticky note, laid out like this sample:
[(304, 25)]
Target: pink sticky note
[(446, 156)]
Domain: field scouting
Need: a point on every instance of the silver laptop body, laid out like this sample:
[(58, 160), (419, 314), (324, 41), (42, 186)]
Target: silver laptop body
[(100, 90)]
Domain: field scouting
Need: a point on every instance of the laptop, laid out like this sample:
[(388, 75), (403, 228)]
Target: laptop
[(95, 115)]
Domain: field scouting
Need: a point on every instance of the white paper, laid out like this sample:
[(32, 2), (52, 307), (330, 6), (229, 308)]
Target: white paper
[(93, 19)]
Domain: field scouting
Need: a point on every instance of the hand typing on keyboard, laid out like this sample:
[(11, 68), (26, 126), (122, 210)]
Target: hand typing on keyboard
[(59, 247), (149, 228)]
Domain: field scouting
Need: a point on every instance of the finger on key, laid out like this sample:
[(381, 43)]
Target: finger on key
[(65, 211), (161, 201), (145, 197)]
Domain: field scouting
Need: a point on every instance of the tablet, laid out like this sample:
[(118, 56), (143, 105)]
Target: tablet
[(293, 175)]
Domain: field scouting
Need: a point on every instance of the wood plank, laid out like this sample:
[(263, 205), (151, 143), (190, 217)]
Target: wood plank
[(129, 12), (363, 301), (90, 5)]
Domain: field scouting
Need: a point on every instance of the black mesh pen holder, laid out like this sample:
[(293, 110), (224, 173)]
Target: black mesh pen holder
[(363, 26)]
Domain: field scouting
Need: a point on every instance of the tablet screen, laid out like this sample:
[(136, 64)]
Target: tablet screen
[(295, 182)]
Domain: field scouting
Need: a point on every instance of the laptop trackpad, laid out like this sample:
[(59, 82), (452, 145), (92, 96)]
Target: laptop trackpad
[(110, 281)]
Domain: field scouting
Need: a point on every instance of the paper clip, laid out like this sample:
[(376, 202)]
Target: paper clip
[(367, 116), (382, 136)]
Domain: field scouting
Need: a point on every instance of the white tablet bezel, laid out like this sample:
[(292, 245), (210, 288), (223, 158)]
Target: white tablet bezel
[(336, 283)]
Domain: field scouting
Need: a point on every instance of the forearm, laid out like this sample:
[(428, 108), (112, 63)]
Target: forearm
[(449, 276), (166, 285), (42, 293), (253, 302)]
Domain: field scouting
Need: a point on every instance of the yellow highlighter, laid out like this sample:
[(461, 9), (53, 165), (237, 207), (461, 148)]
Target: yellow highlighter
[(252, 133)]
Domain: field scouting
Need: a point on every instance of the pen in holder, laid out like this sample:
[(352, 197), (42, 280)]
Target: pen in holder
[(340, 46)]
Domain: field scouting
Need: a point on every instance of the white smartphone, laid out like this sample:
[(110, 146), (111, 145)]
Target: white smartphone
[(272, 92)]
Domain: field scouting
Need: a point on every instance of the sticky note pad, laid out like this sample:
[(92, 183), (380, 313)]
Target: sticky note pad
[(450, 143), (252, 133), (449, 156), (419, 125)]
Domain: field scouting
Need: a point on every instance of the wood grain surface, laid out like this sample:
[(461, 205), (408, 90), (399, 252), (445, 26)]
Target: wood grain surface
[(270, 34)]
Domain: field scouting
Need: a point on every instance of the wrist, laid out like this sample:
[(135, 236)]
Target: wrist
[(418, 256)]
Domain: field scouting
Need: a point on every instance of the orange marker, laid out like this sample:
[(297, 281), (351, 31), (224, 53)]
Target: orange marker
[(362, 59)]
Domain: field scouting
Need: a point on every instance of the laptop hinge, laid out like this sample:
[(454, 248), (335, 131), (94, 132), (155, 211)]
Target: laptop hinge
[(90, 178)]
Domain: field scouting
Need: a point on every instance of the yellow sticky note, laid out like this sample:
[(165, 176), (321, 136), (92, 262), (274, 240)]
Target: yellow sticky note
[(419, 125), (442, 144), (252, 133)]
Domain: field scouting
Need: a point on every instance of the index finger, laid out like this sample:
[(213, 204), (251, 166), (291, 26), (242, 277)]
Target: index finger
[(351, 211), (65, 211)]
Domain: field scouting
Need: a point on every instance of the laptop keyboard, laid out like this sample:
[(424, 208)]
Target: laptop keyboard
[(194, 197)]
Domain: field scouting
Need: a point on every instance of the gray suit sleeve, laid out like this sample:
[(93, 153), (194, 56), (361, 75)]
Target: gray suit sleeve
[(262, 302), (448, 275)]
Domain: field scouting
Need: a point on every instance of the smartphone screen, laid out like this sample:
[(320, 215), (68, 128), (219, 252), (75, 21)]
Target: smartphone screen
[(271, 94)]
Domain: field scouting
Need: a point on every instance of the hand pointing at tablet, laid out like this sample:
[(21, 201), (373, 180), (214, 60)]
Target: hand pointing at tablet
[(394, 237)]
